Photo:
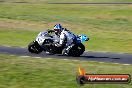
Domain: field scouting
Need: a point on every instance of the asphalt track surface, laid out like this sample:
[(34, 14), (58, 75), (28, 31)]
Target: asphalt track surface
[(89, 56)]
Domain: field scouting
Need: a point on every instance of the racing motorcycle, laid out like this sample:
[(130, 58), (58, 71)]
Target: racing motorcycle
[(45, 41)]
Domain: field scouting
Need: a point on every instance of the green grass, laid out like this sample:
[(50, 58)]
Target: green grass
[(29, 72), (113, 42), (16, 38), (109, 27), (45, 1)]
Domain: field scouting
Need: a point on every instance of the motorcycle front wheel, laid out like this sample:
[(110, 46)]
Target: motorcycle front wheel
[(34, 47)]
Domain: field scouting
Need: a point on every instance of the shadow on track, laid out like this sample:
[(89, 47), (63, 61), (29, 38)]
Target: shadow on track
[(98, 57)]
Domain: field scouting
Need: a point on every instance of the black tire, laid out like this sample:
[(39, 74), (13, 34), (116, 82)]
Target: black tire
[(34, 47), (48, 46), (76, 50)]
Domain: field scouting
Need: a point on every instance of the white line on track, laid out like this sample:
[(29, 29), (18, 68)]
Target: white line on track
[(24, 56), (7, 46), (12, 55), (101, 62), (75, 60), (15, 46), (65, 59), (116, 63), (48, 58), (126, 64), (37, 57)]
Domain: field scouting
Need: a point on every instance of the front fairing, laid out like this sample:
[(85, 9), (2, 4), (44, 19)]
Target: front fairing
[(42, 36)]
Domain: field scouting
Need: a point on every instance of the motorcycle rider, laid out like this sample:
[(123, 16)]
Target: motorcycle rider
[(66, 38)]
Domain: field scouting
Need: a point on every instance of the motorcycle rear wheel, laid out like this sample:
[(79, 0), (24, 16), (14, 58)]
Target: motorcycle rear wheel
[(76, 50)]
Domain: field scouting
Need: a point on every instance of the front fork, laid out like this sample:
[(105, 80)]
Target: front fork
[(37, 45)]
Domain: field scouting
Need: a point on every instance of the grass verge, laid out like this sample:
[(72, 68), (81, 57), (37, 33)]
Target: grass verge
[(109, 27), (112, 42), (29, 72)]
